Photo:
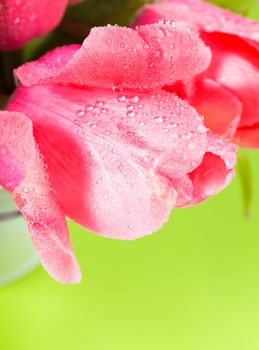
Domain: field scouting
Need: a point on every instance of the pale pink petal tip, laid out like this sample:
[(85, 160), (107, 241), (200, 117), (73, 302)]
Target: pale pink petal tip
[(216, 170), (23, 173)]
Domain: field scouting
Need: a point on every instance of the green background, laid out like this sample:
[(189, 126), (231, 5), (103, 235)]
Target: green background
[(194, 285)]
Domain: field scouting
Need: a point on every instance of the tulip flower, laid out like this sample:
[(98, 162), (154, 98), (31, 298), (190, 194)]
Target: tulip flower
[(90, 134), (226, 93), (24, 20)]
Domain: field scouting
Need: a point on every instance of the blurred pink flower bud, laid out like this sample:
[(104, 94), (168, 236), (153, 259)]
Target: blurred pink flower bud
[(24, 20)]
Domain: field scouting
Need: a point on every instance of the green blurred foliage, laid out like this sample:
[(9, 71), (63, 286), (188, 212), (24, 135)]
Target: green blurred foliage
[(101, 12), (239, 6), (244, 173)]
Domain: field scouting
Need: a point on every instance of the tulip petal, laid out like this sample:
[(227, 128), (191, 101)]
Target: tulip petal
[(219, 107), (22, 21), (235, 65), (212, 18), (115, 158), (150, 56), (23, 173), (248, 136), (216, 170), (234, 41)]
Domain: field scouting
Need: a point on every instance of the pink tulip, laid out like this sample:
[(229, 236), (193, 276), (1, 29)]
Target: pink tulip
[(226, 94), (24, 20), (100, 142)]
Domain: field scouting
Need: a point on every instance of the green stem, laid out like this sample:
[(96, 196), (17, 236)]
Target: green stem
[(245, 176)]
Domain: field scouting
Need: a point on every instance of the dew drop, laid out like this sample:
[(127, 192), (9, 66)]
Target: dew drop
[(140, 123), (130, 108), (134, 99), (89, 107), (99, 103), (158, 120), (131, 114), (122, 98), (80, 113)]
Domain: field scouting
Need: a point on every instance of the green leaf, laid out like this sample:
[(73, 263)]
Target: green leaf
[(244, 7), (244, 172)]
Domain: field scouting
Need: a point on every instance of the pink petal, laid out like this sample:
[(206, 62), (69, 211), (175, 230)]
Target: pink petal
[(153, 13), (219, 107), (48, 65), (23, 173), (235, 65), (216, 170), (121, 57), (22, 21), (234, 41), (212, 18), (116, 159), (248, 136)]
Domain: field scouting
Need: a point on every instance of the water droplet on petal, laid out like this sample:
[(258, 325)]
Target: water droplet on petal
[(134, 99), (99, 103), (140, 123), (131, 114), (80, 113), (158, 120), (186, 137), (130, 108), (122, 98), (89, 107)]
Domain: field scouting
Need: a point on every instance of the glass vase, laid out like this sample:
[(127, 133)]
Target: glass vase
[(17, 254)]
